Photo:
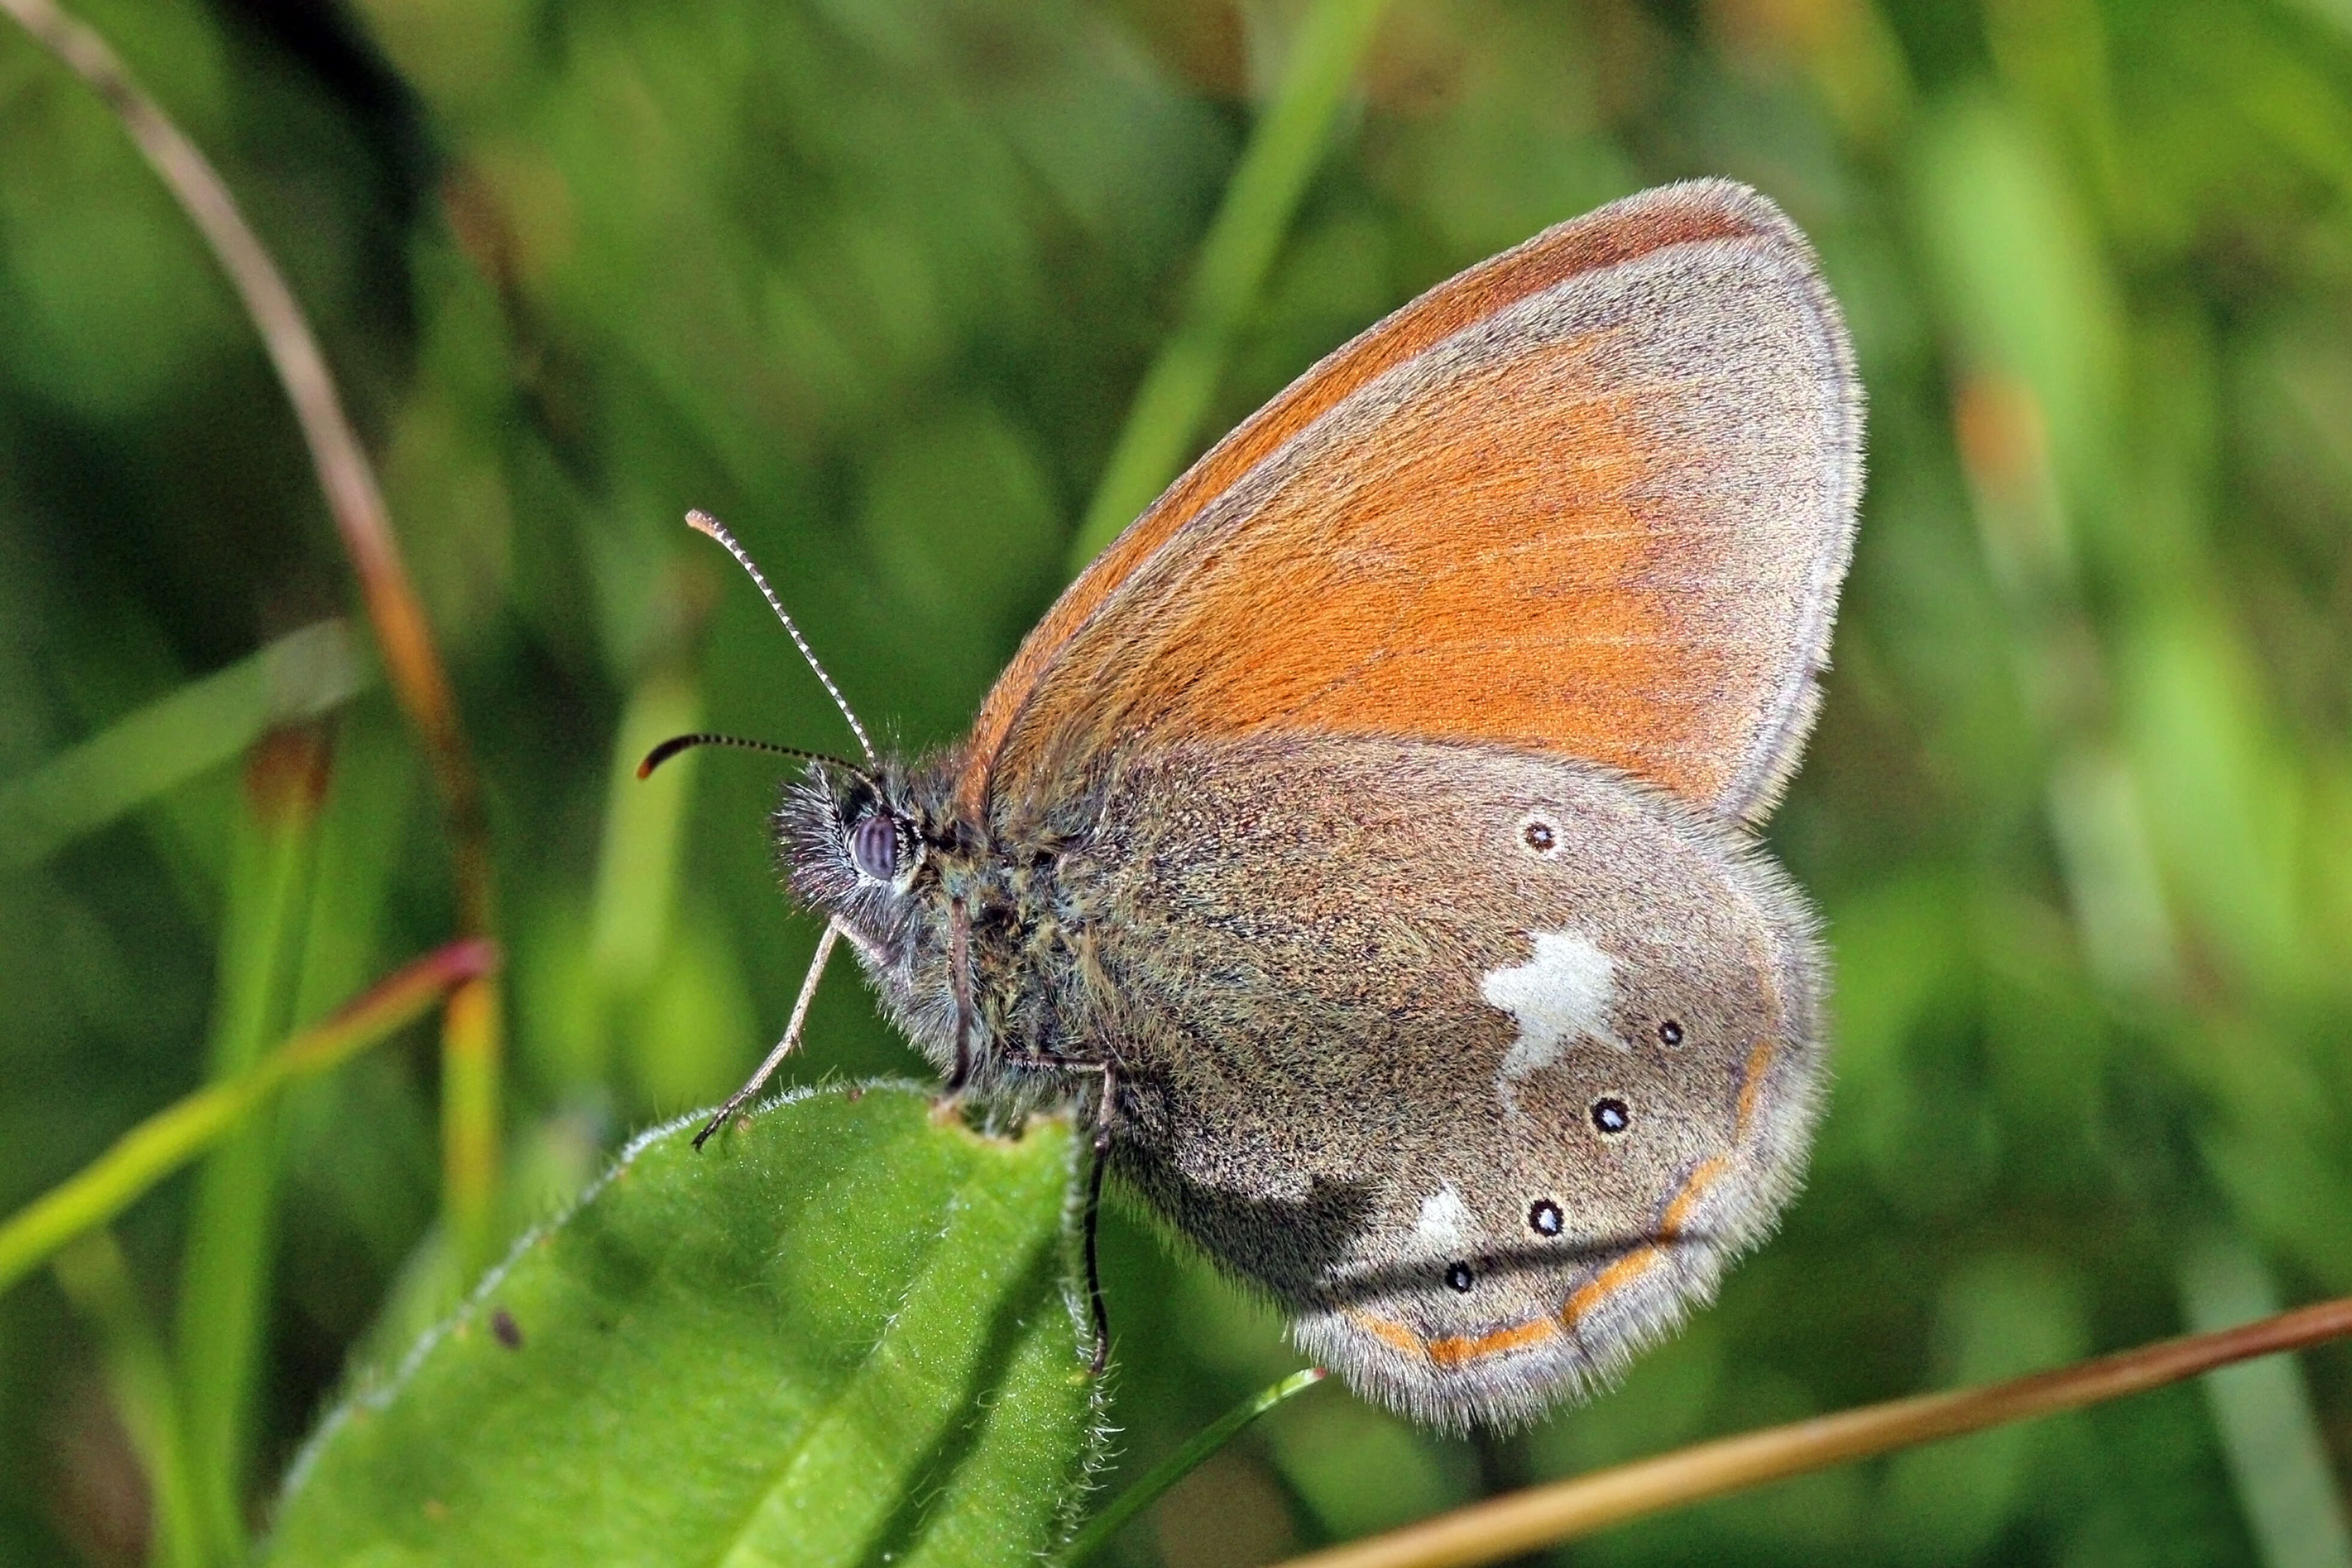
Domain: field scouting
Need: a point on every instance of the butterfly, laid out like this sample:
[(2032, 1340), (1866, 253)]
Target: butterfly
[(1365, 837)]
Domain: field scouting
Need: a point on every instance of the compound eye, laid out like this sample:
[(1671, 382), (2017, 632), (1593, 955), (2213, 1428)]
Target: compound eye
[(874, 847)]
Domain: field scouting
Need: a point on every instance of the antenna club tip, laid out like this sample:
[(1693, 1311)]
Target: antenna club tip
[(665, 751), (702, 522)]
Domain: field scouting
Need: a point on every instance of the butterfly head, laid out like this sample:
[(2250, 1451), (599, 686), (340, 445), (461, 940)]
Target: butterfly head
[(853, 844), (878, 854)]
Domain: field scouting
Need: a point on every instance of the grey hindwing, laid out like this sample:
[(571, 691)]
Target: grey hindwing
[(1480, 1062)]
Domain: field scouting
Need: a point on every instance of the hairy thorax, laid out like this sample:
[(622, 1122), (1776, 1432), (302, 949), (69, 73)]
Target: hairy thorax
[(980, 947)]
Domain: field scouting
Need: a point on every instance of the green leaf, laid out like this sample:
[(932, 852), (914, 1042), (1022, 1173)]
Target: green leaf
[(843, 1333)]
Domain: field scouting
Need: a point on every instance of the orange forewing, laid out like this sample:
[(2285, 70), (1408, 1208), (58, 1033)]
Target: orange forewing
[(1591, 498)]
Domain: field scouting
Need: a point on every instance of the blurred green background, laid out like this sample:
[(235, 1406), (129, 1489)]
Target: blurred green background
[(876, 281)]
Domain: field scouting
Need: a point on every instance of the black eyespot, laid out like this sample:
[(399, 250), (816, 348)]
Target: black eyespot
[(1458, 1276), (874, 847), (1670, 1032), (1611, 1117), (1544, 1219), (1539, 836)]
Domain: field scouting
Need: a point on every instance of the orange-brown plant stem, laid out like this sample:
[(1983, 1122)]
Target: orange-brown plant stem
[(470, 1034), (180, 1132), (1541, 1516)]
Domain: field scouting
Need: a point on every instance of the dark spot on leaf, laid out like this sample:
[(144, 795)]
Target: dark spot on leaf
[(508, 1332)]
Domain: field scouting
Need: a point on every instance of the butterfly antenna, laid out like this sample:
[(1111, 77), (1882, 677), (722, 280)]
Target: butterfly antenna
[(678, 743), (704, 523)]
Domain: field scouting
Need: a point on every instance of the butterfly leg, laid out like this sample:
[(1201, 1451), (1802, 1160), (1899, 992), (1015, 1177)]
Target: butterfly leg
[(784, 1047), (959, 976), (1090, 1224), (1097, 1311)]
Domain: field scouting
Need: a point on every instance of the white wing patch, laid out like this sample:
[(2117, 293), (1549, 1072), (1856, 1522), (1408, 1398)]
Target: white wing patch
[(1444, 1223), (1558, 996)]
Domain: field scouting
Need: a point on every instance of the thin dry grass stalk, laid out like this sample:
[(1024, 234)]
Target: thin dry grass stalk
[(470, 1033), (1542, 1516)]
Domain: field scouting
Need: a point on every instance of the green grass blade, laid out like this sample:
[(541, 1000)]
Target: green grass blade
[(171, 740), (2277, 1454), (178, 1134), (644, 820), (1240, 246), (472, 1040), (93, 1276), (224, 1267), (843, 1333), (1098, 1531), (472, 1044)]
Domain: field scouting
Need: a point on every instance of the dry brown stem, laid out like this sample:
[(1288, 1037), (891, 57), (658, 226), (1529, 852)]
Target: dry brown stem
[(1541, 1516), (413, 662)]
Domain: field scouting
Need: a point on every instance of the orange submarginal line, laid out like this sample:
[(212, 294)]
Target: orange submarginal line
[(1453, 1353), (1460, 1349), (1758, 1060), (1393, 1334)]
